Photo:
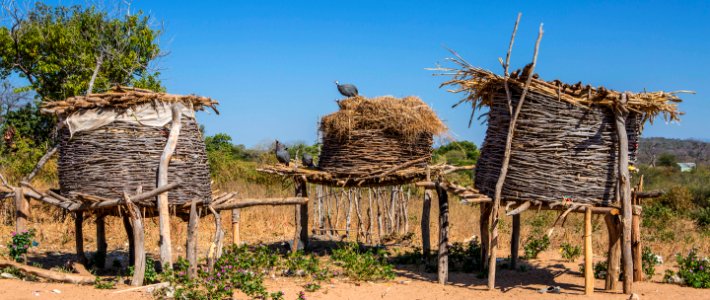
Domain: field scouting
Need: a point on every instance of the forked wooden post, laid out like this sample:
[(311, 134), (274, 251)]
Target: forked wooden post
[(215, 250), (625, 192), (22, 211), (443, 274), (79, 236), (134, 215), (166, 259), (235, 227), (101, 246), (614, 252), (131, 241), (191, 245), (515, 242), (588, 254), (301, 215)]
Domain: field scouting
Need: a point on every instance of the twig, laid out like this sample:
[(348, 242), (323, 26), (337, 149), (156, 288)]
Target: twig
[(507, 65)]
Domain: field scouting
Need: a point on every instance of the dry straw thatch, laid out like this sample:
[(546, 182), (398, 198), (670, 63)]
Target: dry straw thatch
[(120, 97), (367, 136)]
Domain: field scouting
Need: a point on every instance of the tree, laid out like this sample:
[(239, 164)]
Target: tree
[(667, 160), (62, 51), (458, 153)]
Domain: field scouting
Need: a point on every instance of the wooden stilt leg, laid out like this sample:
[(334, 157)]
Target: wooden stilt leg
[(134, 215), (636, 239), (426, 222), (131, 241), (588, 255), (79, 236), (443, 273), (215, 250), (485, 233), (101, 246), (236, 240), (22, 211), (621, 114), (301, 216), (191, 247), (515, 242), (614, 252)]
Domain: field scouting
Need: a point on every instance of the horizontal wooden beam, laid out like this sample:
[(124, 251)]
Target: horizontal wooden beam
[(241, 203), (649, 194)]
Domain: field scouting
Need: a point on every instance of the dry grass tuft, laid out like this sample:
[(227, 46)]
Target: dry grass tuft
[(408, 117)]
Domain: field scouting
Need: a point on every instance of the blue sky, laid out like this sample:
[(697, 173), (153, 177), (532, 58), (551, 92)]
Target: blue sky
[(271, 64)]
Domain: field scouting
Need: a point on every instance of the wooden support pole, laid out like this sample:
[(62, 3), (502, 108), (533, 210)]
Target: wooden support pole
[(262, 202), (485, 217), (426, 224), (443, 258), (166, 259), (215, 250), (22, 211), (101, 246), (191, 245), (515, 242), (613, 252), (588, 254), (79, 237), (131, 241), (625, 192), (235, 226), (636, 236), (301, 216), (134, 215)]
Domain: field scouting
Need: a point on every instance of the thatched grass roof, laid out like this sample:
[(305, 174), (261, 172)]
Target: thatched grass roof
[(120, 97), (409, 117), (481, 85)]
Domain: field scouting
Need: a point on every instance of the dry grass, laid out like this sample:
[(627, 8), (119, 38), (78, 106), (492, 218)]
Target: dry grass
[(409, 117)]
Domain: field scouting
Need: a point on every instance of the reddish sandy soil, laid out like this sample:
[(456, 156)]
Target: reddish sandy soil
[(409, 284)]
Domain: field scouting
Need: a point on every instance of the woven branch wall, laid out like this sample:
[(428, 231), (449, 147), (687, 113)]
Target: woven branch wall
[(366, 151), (558, 150), (119, 157)]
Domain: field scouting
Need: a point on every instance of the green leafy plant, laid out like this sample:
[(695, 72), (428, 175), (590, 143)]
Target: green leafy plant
[(570, 252), (649, 261), (363, 265), (692, 270), (20, 243), (150, 275), (104, 284), (312, 287), (536, 245)]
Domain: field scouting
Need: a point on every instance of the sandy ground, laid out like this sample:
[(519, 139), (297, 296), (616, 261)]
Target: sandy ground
[(409, 284)]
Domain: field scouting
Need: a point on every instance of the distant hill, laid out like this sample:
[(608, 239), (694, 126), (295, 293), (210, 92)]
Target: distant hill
[(690, 150)]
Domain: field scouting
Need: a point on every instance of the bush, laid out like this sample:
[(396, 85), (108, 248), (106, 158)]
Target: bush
[(692, 270), (649, 261), (364, 266), (151, 276), (536, 245), (570, 252), (20, 243), (702, 217), (600, 270)]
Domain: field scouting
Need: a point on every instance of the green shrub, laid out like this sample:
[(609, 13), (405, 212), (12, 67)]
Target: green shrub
[(702, 217), (649, 261), (600, 270), (570, 252), (536, 245), (104, 284), (692, 270), (363, 266), (20, 243), (151, 275)]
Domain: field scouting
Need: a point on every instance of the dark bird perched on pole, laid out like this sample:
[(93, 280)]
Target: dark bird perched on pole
[(347, 90), (307, 160), (282, 153)]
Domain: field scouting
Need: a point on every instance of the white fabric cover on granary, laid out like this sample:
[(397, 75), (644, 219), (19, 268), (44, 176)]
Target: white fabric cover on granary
[(149, 114)]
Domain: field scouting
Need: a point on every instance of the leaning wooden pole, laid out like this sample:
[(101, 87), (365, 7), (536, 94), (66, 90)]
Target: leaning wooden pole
[(166, 256), (443, 256), (621, 113), (131, 241), (588, 254), (504, 168)]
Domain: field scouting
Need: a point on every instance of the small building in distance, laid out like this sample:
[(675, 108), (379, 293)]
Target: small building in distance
[(686, 167)]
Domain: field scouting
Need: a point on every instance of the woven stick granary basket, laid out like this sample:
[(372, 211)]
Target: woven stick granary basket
[(367, 136), (121, 155), (559, 150)]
